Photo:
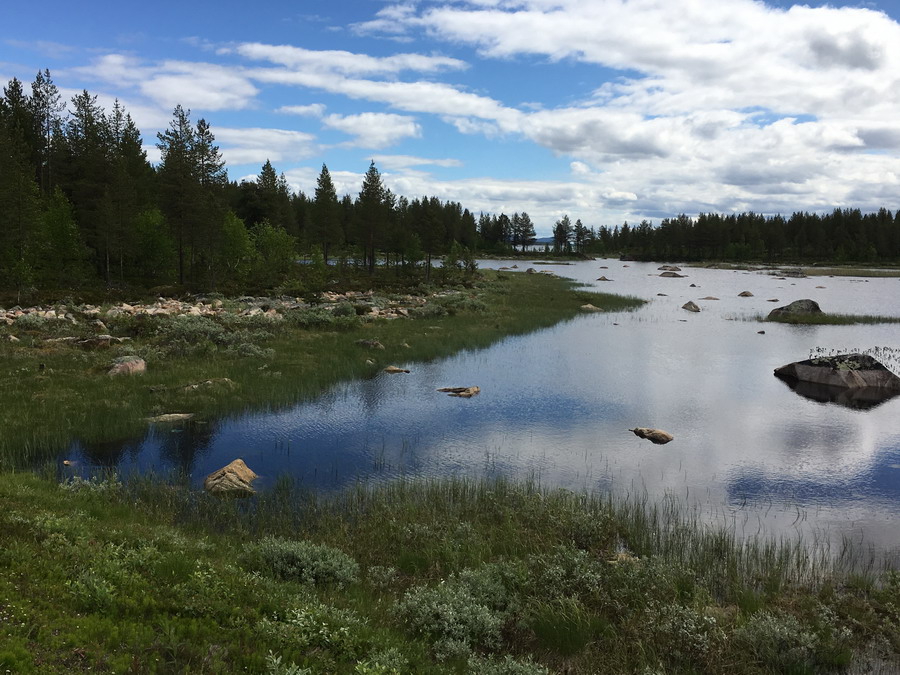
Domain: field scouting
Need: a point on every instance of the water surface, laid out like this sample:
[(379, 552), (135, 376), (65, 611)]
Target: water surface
[(557, 405)]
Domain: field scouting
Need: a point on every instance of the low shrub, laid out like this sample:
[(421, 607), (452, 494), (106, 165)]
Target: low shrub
[(303, 561)]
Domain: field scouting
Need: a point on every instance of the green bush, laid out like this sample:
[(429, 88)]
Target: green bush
[(30, 322), (303, 561), (452, 616), (505, 666), (778, 641)]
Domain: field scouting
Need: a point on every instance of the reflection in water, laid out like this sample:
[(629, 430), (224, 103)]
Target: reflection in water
[(110, 454), (857, 398), (556, 405)]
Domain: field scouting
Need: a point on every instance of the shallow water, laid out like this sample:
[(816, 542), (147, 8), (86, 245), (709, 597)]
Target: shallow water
[(557, 405)]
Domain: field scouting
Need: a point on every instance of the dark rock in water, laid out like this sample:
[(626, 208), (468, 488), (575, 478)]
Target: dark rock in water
[(669, 268), (805, 306), (868, 379), (745, 294), (690, 306), (672, 275)]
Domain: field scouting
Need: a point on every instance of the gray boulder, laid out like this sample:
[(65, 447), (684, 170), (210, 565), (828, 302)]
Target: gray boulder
[(805, 306), (690, 306), (128, 365), (852, 371)]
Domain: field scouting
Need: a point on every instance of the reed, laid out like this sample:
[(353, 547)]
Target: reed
[(419, 576)]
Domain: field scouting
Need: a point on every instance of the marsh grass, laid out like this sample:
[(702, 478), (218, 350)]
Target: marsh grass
[(826, 319), (53, 394), (148, 576)]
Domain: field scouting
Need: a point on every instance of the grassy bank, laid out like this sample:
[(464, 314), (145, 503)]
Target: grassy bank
[(54, 392), (426, 577)]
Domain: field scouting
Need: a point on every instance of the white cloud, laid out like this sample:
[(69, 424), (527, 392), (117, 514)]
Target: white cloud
[(311, 110), (255, 146), (345, 63), (374, 130), (194, 85), (402, 162)]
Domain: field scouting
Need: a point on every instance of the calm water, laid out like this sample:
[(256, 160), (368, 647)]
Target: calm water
[(557, 405)]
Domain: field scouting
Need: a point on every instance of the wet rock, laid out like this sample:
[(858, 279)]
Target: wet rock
[(690, 306), (663, 295), (128, 365), (461, 392), (395, 370), (232, 480), (672, 275), (603, 279), (745, 294), (805, 306), (657, 436), (590, 308), (709, 297), (669, 268)]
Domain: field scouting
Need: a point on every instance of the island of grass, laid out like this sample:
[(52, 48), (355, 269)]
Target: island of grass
[(808, 312)]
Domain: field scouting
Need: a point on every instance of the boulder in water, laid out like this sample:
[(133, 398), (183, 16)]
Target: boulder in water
[(690, 306), (850, 371), (657, 436), (798, 307)]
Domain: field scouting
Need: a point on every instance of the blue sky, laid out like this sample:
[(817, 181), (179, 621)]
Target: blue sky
[(606, 110)]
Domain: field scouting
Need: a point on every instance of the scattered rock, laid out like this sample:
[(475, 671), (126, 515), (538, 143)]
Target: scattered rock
[(672, 275), (820, 287), (370, 362), (604, 267), (745, 294), (531, 270), (805, 306), (662, 295), (772, 300), (669, 268), (760, 332), (709, 297), (694, 286), (215, 382), (12, 338), (232, 480), (394, 370), (603, 279), (690, 306), (590, 308), (171, 417), (657, 436), (461, 392), (405, 345), (370, 343), (128, 365)]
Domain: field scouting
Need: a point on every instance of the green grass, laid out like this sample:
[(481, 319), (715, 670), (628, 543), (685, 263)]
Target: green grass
[(52, 394), (827, 319), (850, 272), (510, 578)]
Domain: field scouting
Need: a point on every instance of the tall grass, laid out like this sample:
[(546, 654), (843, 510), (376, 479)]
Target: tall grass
[(435, 576)]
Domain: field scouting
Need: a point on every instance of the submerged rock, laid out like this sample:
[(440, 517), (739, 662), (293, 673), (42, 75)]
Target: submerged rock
[(234, 479), (669, 268), (657, 436), (461, 392), (395, 370), (805, 306), (690, 306), (672, 275)]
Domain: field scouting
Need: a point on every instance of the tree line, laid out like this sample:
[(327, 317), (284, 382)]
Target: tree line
[(80, 204)]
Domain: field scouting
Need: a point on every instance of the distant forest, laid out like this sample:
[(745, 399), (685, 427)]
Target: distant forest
[(80, 205)]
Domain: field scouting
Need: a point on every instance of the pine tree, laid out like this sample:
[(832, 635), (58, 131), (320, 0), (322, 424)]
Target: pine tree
[(326, 215)]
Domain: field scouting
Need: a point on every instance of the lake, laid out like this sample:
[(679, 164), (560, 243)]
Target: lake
[(556, 406)]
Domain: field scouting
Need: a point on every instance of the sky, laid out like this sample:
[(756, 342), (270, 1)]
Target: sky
[(604, 110)]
